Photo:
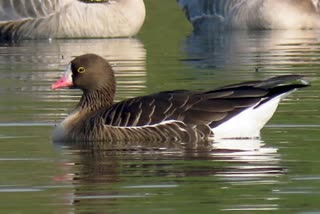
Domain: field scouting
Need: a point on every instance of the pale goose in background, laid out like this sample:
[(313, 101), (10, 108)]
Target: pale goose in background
[(43, 19), (234, 111), (252, 14)]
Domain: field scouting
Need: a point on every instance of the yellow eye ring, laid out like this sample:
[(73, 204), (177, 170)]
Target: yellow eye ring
[(81, 70)]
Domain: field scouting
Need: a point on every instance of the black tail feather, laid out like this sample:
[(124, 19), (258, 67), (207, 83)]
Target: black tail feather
[(272, 82)]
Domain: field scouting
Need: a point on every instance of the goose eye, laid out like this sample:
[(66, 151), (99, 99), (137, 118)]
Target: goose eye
[(81, 70)]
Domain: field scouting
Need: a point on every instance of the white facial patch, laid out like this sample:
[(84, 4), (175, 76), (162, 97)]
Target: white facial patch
[(68, 73)]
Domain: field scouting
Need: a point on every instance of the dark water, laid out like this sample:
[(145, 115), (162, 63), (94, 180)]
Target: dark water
[(279, 174)]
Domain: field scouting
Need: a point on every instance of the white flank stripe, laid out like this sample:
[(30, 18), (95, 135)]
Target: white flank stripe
[(146, 126)]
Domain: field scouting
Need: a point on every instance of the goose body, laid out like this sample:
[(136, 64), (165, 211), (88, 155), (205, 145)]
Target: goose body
[(234, 111), (252, 14), (43, 19)]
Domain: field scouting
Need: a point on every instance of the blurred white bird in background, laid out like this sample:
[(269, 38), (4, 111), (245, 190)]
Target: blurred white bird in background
[(42, 19), (252, 14)]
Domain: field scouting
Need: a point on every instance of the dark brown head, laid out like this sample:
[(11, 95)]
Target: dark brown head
[(88, 72)]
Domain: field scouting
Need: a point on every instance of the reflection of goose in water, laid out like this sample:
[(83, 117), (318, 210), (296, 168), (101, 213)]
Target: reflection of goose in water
[(251, 157), (248, 165), (35, 19), (145, 170), (252, 14), (236, 49)]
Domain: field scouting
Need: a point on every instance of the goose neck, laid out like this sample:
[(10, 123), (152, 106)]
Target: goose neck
[(95, 100)]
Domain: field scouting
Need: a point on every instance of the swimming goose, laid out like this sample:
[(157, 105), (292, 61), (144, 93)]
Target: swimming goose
[(43, 19), (233, 111), (252, 14)]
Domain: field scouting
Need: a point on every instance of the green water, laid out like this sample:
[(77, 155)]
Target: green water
[(278, 175)]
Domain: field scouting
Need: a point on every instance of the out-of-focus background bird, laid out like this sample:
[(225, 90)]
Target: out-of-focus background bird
[(42, 19)]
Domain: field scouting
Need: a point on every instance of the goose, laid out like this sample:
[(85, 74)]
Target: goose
[(252, 14), (233, 111), (46, 19)]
